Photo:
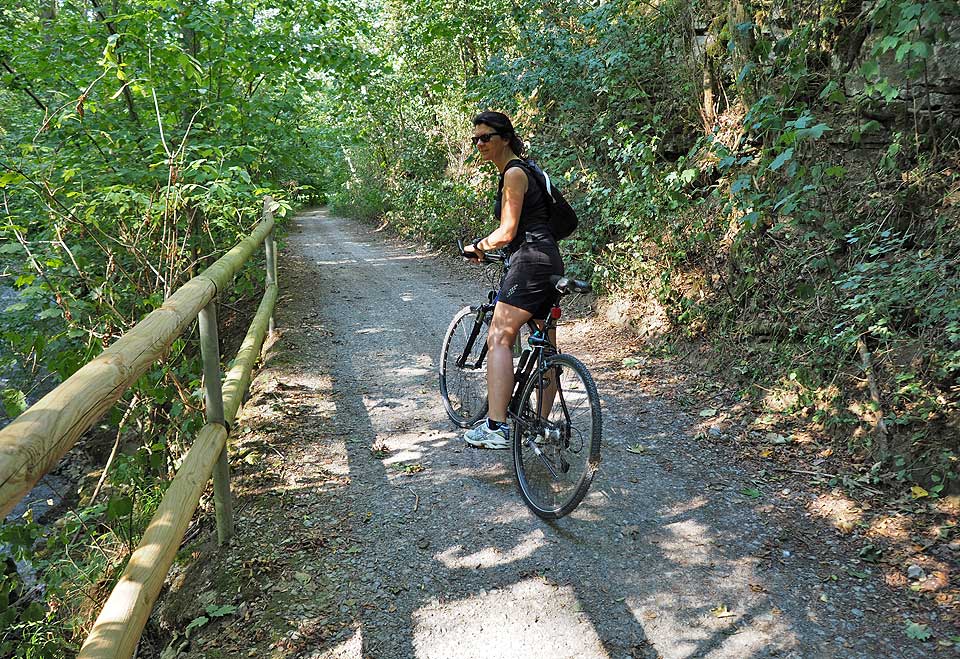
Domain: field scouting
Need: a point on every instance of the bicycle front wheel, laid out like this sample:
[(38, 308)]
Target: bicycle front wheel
[(556, 437), (463, 381)]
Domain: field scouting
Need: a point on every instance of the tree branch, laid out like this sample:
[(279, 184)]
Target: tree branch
[(18, 79)]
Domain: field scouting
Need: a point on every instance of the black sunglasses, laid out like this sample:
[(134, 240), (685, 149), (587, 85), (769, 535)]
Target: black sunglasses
[(486, 137)]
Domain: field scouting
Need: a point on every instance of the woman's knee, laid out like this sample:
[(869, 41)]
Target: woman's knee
[(500, 336)]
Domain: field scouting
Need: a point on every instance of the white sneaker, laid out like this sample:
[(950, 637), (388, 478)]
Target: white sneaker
[(482, 437)]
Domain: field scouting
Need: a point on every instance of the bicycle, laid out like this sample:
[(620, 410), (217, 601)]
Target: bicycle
[(554, 412)]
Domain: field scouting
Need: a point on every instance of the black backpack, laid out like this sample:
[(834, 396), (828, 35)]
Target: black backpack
[(563, 219)]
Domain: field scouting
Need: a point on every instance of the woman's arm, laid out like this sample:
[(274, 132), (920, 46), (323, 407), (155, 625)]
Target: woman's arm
[(514, 188)]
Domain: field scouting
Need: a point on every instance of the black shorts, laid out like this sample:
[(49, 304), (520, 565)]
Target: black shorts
[(527, 282)]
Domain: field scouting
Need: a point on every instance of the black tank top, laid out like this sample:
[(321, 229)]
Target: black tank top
[(534, 214)]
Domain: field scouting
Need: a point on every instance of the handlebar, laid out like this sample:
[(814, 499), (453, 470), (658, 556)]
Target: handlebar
[(485, 257)]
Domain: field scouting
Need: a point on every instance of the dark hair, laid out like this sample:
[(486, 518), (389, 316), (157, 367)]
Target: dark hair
[(501, 123)]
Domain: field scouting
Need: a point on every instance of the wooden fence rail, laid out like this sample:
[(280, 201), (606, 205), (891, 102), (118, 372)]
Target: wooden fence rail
[(36, 440)]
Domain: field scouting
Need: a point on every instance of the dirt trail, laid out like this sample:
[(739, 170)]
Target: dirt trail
[(366, 529)]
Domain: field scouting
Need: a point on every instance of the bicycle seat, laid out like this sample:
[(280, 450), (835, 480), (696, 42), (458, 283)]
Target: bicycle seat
[(567, 285)]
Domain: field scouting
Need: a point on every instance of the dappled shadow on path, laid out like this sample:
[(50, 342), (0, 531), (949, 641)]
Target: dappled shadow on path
[(452, 563), (421, 548)]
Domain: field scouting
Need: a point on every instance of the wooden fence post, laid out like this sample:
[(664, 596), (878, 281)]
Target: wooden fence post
[(213, 400), (270, 248)]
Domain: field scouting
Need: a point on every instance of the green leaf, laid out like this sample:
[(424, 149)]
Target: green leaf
[(814, 132), (9, 177), (870, 69), (215, 611), (196, 623), (14, 402), (889, 42), (119, 507), (918, 631), (902, 51), (780, 160), (741, 184), (888, 91), (751, 492)]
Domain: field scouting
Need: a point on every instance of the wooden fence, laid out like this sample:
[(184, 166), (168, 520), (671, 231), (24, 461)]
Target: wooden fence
[(37, 439)]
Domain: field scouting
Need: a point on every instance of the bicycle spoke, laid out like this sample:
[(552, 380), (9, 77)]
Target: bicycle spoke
[(556, 458), (543, 458)]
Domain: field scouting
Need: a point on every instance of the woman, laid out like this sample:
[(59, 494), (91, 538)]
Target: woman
[(525, 292)]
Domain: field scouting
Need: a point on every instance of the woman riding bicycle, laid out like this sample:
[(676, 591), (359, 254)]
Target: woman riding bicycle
[(533, 257)]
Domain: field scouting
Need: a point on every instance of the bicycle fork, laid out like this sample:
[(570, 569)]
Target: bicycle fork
[(474, 334)]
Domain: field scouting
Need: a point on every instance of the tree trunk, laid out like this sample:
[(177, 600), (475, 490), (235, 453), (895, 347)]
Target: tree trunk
[(48, 16), (703, 40), (740, 16)]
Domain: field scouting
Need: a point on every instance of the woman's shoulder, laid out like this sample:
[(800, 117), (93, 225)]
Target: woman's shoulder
[(515, 175)]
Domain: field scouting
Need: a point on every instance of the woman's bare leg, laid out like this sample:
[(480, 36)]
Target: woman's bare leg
[(506, 324)]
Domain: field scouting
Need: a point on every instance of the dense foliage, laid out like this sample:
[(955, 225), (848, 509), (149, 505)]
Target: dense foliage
[(775, 177), (137, 141)]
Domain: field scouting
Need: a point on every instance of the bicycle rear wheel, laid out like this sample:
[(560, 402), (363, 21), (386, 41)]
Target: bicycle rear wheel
[(556, 437), (463, 380)]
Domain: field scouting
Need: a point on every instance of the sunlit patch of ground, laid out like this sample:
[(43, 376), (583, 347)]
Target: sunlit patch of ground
[(485, 557), (508, 622), (891, 527), (840, 511)]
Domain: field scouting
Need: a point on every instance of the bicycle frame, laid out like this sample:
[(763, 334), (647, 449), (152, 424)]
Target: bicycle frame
[(531, 358)]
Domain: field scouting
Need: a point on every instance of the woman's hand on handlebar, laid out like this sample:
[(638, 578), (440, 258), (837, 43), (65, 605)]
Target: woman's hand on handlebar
[(470, 251)]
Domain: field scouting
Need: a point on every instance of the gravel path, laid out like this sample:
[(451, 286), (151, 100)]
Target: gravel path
[(407, 544)]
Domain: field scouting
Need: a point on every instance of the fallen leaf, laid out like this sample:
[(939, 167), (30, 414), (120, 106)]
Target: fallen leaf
[(722, 612), (766, 453), (936, 581), (751, 492), (845, 526), (638, 449), (757, 588), (302, 577), (918, 492), (917, 631), (708, 412)]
